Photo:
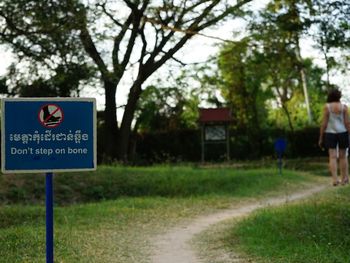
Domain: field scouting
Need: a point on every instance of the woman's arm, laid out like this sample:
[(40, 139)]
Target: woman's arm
[(324, 123), (346, 118)]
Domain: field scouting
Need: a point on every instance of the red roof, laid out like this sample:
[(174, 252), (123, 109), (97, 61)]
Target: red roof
[(215, 115)]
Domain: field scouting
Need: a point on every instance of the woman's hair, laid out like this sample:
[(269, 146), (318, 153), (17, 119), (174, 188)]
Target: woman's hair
[(334, 95)]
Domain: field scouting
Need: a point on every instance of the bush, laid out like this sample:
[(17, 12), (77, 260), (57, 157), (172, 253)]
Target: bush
[(185, 145)]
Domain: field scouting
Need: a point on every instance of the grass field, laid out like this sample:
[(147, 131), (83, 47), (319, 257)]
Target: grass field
[(312, 231), (108, 215), (315, 231)]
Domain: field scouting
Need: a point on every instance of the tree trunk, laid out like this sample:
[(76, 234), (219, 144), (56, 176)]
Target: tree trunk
[(303, 79), (125, 128), (284, 107), (325, 55), (306, 94), (110, 118)]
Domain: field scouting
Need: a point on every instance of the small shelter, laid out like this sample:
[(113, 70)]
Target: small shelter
[(214, 124)]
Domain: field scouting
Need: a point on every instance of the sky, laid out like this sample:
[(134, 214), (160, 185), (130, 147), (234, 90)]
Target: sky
[(5, 58), (199, 49)]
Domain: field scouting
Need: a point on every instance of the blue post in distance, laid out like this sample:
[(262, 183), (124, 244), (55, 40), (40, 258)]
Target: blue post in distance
[(49, 218), (280, 147), (280, 163)]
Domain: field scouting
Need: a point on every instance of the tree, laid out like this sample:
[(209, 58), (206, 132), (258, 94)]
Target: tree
[(279, 59), (292, 17), (166, 108), (290, 97), (141, 34), (48, 55), (65, 81), (280, 27), (331, 24), (263, 70), (241, 69)]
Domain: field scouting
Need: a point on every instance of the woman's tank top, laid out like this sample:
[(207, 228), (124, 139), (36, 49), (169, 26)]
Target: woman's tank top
[(335, 121)]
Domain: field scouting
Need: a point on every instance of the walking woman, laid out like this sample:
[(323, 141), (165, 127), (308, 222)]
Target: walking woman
[(334, 133)]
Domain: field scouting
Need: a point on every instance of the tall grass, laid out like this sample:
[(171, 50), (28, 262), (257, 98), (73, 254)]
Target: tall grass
[(109, 183)]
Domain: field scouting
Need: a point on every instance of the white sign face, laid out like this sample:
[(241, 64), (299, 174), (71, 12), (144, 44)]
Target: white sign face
[(215, 133)]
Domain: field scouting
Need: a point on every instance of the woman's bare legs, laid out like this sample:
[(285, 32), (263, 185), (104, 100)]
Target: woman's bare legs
[(333, 165), (344, 166)]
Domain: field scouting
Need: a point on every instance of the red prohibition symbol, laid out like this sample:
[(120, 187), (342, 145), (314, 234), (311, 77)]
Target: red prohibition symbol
[(50, 115)]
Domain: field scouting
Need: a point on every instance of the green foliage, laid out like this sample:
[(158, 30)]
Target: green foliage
[(260, 75), (278, 33), (331, 25), (40, 30), (242, 71), (43, 36), (295, 104), (166, 108), (65, 83)]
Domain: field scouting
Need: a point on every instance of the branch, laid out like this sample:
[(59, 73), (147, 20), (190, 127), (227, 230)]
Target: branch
[(117, 40), (103, 6), (179, 61), (194, 27), (137, 16), (90, 48), (131, 5), (185, 31), (224, 14), (144, 45)]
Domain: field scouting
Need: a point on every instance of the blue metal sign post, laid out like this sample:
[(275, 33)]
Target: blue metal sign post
[(49, 218), (280, 147), (48, 135)]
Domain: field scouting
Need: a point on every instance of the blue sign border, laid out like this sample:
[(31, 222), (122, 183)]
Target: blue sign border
[(48, 100)]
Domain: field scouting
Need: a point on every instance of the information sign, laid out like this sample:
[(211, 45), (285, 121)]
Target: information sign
[(48, 134), (215, 133)]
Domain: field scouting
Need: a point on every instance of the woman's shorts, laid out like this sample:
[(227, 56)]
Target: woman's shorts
[(331, 140)]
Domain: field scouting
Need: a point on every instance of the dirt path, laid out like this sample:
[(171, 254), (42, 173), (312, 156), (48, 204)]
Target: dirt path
[(174, 246)]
